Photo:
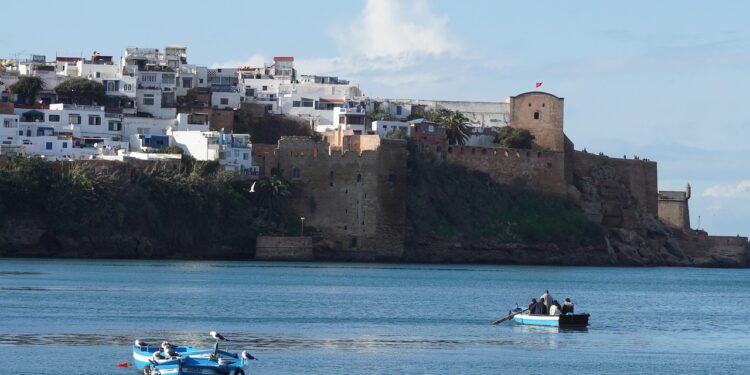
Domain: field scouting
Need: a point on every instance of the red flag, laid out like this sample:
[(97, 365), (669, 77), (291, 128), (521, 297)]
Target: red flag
[(538, 84)]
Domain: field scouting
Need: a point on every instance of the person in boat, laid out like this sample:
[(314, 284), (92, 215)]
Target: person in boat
[(567, 307), (547, 299), (555, 309), (540, 308), (169, 350), (532, 306)]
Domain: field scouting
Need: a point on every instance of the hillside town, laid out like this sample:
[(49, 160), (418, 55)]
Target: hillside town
[(153, 105)]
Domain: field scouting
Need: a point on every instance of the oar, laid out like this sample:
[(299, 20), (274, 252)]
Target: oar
[(510, 316)]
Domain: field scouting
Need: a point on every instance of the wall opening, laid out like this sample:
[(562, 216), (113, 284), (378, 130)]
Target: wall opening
[(537, 115)]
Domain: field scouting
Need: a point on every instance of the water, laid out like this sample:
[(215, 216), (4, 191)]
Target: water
[(80, 317)]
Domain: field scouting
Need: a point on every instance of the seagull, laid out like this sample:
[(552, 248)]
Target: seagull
[(252, 188), (217, 336), (141, 343)]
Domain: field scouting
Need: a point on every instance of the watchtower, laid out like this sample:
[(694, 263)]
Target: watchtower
[(541, 114)]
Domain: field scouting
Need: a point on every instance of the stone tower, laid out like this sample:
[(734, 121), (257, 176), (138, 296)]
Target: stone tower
[(541, 114), (673, 208)]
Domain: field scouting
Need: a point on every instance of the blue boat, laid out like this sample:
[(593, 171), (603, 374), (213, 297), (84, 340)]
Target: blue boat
[(185, 360), (567, 320)]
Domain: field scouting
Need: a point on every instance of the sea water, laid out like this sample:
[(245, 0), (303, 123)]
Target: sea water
[(81, 316)]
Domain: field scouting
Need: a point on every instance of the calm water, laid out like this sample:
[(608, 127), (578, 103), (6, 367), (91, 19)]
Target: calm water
[(80, 317)]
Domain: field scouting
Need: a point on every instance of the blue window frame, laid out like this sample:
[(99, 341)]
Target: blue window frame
[(65, 144), (49, 145), (398, 110)]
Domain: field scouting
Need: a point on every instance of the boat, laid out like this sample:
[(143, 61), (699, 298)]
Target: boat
[(185, 360), (565, 320)]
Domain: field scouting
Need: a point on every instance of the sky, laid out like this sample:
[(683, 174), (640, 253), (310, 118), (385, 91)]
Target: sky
[(662, 80)]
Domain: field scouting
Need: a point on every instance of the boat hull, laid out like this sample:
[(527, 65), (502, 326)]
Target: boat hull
[(568, 320)]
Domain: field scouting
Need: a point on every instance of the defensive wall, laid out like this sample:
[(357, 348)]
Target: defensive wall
[(284, 248), (614, 190), (539, 170), (354, 200)]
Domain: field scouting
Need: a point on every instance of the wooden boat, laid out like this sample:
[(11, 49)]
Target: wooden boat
[(567, 320)]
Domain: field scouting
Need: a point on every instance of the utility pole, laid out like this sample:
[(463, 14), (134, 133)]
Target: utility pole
[(302, 227)]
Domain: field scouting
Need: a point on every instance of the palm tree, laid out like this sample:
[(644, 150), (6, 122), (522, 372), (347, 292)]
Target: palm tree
[(27, 86), (272, 189), (455, 123)]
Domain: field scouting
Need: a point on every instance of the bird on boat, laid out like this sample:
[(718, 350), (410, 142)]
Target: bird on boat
[(218, 336), (141, 343)]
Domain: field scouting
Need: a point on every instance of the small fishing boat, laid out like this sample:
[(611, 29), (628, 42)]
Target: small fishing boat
[(567, 320), (185, 360)]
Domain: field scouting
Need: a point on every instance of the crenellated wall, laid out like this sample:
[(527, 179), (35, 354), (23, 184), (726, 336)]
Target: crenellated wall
[(355, 200), (613, 190), (535, 169)]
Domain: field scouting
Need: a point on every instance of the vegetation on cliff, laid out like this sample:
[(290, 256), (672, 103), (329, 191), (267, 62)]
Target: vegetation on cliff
[(514, 138), (449, 202), (82, 91), (188, 212), (269, 129)]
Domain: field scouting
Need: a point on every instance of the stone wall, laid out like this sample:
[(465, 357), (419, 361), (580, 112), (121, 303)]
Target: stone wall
[(284, 248), (613, 190), (717, 251), (355, 201), (535, 169)]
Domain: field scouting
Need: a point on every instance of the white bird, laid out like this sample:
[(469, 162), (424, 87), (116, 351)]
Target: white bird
[(252, 188), (140, 343), (218, 336)]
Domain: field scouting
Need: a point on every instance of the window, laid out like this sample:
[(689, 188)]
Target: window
[(356, 120), (200, 80), (128, 87), (115, 126), (245, 156), (104, 171), (265, 88), (8, 123), (296, 103), (537, 115), (110, 86), (148, 99), (187, 82), (148, 78), (295, 172), (398, 110), (65, 144), (95, 120), (167, 78), (359, 178), (224, 101), (143, 130), (48, 146), (54, 118), (74, 119), (308, 103), (98, 74)]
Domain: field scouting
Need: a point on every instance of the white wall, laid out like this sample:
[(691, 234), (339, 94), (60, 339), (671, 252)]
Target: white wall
[(383, 128)]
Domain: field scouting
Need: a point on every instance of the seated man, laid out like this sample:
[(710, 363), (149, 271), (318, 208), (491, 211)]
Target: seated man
[(540, 308), (532, 305), (567, 307), (555, 308)]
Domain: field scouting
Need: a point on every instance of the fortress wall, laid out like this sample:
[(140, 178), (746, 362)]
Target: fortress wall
[(536, 169), (615, 190), (675, 213), (355, 201)]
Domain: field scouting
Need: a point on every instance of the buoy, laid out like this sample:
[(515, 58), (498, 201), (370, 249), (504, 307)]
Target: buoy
[(122, 364)]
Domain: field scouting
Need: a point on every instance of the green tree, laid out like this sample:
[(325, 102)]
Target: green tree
[(514, 138), (82, 91), (28, 86), (271, 189), (396, 134), (455, 123), (379, 115)]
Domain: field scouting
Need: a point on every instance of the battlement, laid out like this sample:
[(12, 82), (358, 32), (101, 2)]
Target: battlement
[(541, 170)]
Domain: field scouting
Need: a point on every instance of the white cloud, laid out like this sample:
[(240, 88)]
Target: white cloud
[(254, 60), (399, 29), (389, 36), (728, 191)]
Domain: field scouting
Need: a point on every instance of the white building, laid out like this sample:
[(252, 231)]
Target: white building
[(383, 128), (347, 118), (233, 151)]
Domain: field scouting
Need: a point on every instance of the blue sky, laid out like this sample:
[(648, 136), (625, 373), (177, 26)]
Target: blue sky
[(663, 80)]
